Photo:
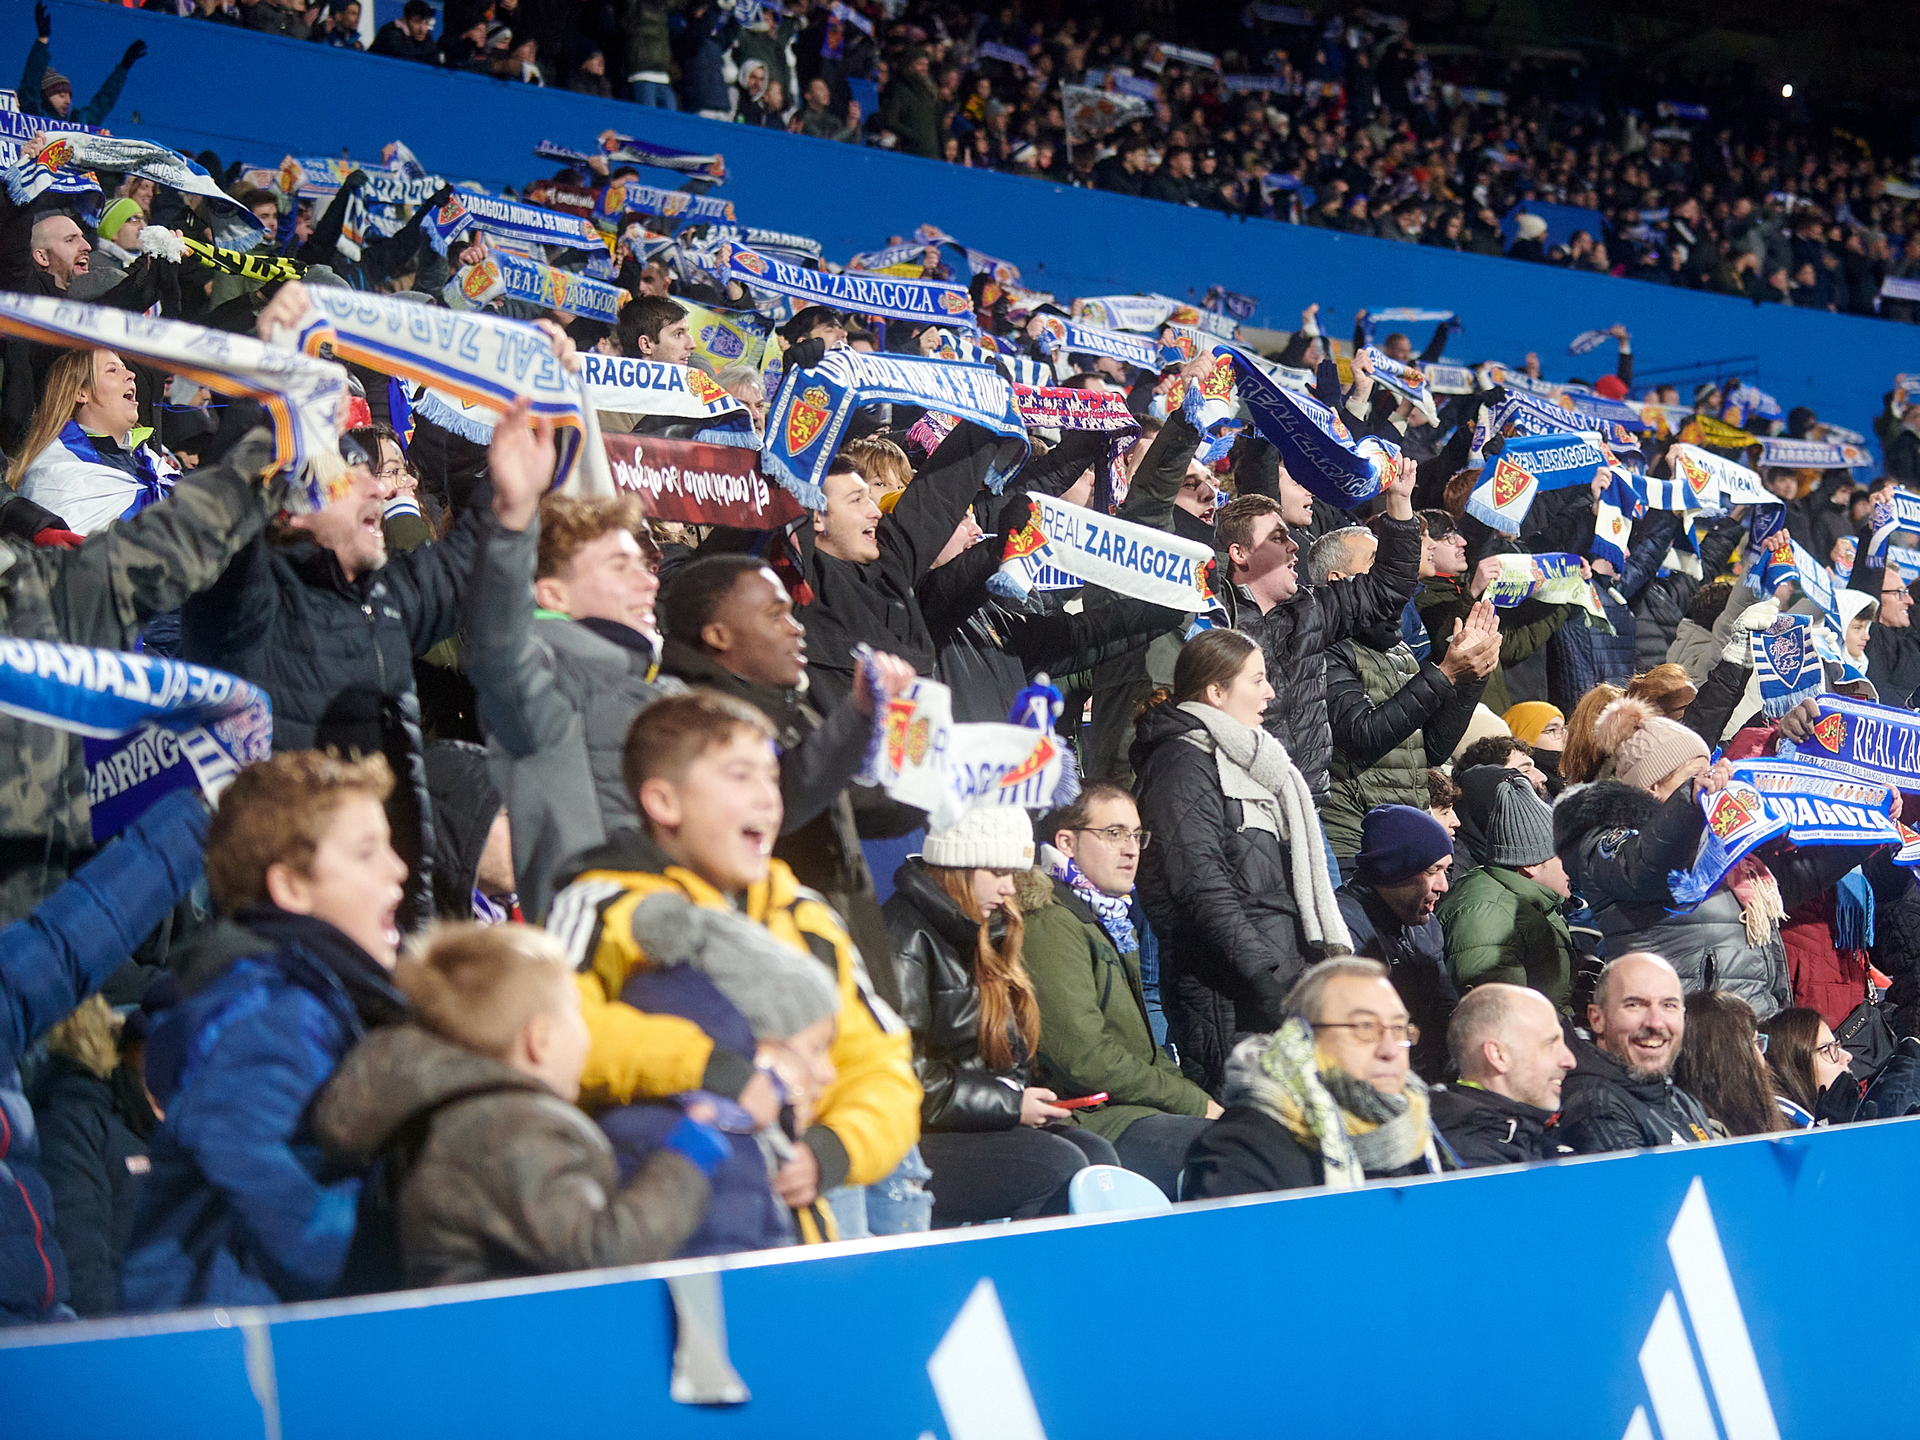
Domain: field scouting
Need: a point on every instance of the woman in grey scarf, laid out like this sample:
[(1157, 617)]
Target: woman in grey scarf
[(1235, 881)]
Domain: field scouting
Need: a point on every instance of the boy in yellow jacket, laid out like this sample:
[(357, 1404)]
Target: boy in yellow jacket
[(706, 780)]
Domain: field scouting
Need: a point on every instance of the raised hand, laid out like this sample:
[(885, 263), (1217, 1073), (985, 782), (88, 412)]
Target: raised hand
[(134, 52), (43, 20)]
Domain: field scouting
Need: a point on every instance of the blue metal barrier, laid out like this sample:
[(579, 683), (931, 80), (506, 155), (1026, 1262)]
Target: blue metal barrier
[(1711, 1290), (259, 97)]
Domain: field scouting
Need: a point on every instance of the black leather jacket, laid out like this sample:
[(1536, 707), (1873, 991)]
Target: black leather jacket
[(933, 950)]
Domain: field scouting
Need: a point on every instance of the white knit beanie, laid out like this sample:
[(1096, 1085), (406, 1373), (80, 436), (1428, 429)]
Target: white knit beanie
[(987, 837)]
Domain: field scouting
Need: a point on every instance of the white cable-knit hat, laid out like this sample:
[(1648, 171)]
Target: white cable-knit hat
[(988, 837)]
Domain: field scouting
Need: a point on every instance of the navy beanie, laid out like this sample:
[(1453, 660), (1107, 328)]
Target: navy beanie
[(1397, 842)]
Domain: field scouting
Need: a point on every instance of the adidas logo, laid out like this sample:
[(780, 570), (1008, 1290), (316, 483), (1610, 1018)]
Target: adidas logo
[(978, 1378), (1684, 1404)]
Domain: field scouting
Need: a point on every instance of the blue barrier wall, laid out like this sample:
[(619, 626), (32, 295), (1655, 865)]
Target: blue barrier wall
[(1554, 1300), (257, 97)]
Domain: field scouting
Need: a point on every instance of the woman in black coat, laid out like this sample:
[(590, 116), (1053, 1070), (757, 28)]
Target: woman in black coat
[(1235, 880), (996, 1145)]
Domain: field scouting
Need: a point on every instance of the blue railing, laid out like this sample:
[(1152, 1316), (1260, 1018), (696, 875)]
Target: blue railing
[(1753, 1286), (258, 97)]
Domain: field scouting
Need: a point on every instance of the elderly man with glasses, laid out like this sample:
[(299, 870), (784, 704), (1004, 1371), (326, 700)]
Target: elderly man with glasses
[(1082, 953), (1327, 1099)]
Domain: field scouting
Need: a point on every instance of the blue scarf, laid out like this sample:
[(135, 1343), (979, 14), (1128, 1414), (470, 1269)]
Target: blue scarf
[(468, 210), (1821, 808), (811, 410), (1787, 663), (1061, 336), (1113, 911), (515, 277), (151, 726), (1527, 465), (1314, 443), (1876, 743), (1585, 341), (1619, 505), (625, 150), (933, 301), (621, 196), (1738, 823)]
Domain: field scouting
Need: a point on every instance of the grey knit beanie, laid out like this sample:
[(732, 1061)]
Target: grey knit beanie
[(1520, 826), (778, 990)]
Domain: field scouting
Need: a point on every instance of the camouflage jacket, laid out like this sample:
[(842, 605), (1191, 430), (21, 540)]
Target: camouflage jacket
[(100, 594)]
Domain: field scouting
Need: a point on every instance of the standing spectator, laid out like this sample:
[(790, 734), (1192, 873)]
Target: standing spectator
[(45, 91), (1238, 887), (1389, 904), (410, 37), (1328, 1100), (701, 34), (1083, 954), (80, 459), (910, 108), (1513, 1059), (1621, 1094)]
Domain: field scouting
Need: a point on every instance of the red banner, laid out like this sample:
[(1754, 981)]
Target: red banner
[(699, 484)]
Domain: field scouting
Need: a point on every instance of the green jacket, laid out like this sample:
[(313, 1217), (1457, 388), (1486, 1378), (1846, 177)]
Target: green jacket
[(1442, 599), (1094, 1033), (1502, 926), (100, 594), (911, 110)]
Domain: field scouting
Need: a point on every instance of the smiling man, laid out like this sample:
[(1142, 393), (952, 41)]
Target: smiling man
[(1621, 1096)]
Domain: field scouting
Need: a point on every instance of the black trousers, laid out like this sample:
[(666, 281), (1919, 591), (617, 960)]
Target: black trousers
[(1007, 1174), (1156, 1146)]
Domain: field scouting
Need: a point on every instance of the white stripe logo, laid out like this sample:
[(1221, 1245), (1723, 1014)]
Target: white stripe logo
[(1708, 1305)]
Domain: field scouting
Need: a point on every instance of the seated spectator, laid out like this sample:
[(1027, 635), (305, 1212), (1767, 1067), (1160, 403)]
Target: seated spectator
[(84, 459), (1512, 1057), (1327, 1100), (1504, 921), (1811, 1070), (1082, 954), (1543, 729), (997, 1145), (1399, 877), (1239, 886), (703, 775), (1721, 1066), (492, 1171), (1581, 760), (239, 1207), (1621, 1094)]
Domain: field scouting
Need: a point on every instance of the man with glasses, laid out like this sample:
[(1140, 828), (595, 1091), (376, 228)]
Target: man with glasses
[(1082, 953), (1328, 1099)]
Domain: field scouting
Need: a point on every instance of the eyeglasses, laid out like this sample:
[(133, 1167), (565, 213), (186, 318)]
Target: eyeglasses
[(1368, 1032), (1835, 1052), (1117, 835)]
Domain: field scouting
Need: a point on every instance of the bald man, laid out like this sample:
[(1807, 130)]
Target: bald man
[(60, 249), (1507, 1044), (1621, 1095)]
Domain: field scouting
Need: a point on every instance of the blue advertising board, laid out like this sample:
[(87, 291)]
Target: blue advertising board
[(1708, 1291)]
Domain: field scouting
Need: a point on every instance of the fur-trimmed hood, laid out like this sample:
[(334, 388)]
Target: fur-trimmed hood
[(1603, 805)]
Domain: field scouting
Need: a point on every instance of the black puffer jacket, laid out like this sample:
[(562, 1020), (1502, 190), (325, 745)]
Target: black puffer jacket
[(1297, 635), (1488, 1129), (1619, 846), (336, 656), (93, 1155), (1219, 898), (933, 950), (1603, 1108)]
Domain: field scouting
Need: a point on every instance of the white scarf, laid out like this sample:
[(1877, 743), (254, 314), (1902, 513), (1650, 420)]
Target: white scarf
[(1255, 769)]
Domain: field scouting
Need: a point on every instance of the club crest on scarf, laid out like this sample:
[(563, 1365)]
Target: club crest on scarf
[(809, 414), (1788, 665), (1510, 482), (1831, 733), (1729, 812)]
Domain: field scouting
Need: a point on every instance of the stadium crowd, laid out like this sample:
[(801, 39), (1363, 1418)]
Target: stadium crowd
[(1342, 122), (575, 919)]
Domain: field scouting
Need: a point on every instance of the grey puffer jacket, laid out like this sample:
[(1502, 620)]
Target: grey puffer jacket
[(1620, 845)]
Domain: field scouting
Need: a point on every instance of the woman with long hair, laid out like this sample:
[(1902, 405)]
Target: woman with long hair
[(1581, 760), (1811, 1070), (997, 1145), (1236, 882), (83, 458), (1720, 1065)]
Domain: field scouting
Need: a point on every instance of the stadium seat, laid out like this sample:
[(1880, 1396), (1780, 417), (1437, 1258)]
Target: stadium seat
[(1103, 1189)]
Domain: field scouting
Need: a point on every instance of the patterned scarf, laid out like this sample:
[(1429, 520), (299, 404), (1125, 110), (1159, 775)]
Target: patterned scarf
[(1114, 911), (1356, 1129)]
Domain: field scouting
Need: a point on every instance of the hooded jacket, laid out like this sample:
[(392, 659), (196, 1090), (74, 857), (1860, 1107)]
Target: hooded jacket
[(1619, 846), (1219, 897), (240, 1207), (1603, 1108), (494, 1175), (864, 1122), (1094, 1031), (49, 963), (933, 956), (1488, 1129), (1296, 636)]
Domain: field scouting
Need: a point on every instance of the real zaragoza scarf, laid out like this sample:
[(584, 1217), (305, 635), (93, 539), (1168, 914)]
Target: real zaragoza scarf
[(933, 301), (503, 273), (1857, 738), (233, 223), (1313, 441), (466, 211), (302, 395), (1527, 465), (625, 386)]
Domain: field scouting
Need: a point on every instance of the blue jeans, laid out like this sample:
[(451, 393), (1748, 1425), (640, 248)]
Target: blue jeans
[(1149, 972), (653, 93), (897, 1205)]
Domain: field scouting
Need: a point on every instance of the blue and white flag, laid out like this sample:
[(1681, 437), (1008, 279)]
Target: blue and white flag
[(1314, 443), (150, 725), (809, 414), (1876, 743), (468, 210), (931, 301), (1787, 664), (1738, 823)]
